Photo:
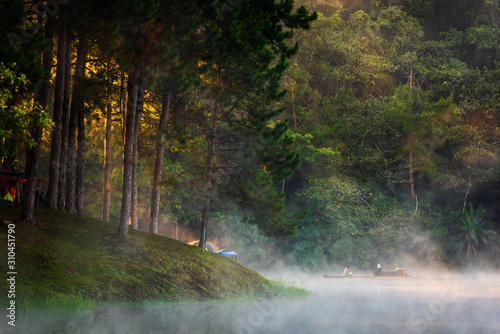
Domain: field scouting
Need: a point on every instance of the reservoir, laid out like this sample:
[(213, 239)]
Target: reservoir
[(433, 303)]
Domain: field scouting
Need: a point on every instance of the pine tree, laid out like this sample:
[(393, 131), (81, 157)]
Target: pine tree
[(23, 39), (158, 168), (77, 109), (134, 224), (55, 148), (61, 193), (247, 48), (33, 152)]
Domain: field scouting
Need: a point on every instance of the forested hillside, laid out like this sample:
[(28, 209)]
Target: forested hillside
[(311, 133)]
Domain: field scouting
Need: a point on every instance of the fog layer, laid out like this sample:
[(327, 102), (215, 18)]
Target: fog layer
[(438, 303)]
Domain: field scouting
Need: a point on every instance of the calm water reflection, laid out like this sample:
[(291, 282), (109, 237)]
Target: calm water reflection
[(451, 304)]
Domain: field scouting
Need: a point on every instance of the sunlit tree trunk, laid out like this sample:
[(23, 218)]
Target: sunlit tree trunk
[(210, 165), (208, 182), (61, 193), (128, 152), (33, 153), (55, 149), (160, 150), (76, 108), (123, 102), (80, 164), (106, 182), (79, 108), (138, 115)]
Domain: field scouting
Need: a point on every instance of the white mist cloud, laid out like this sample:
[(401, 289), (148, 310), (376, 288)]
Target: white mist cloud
[(438, 302)]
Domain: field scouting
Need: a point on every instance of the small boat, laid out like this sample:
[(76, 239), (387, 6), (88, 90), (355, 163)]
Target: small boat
[(399, 272), (346, 276)]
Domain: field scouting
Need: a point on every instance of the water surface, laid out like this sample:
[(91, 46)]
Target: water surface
[(440, 304)]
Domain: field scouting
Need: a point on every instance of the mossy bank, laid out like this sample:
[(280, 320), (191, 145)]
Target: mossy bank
[(74, 258)]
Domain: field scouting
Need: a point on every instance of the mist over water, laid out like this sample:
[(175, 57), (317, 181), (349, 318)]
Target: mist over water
[(435, 303)]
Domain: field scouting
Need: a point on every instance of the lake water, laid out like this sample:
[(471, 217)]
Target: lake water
[(450, 303)]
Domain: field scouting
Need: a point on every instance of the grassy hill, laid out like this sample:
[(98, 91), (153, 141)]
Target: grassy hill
[(76, 259)]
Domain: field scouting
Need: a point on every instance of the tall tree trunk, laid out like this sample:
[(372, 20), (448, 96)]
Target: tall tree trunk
[(160, 150), (123, 98), (61, 193), (469, 185), (410, 146), (128, 152), (70, 164), (210, 166), (17, 200), (292, 108), (138, 115), (410, 156), (208, 182), (33, 153), (106, 183), (80, 164), (55, 149), (106, 178), (77, 105)]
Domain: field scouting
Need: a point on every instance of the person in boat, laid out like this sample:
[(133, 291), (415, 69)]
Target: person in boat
[(379, 267), (400, 269), (347, 272)]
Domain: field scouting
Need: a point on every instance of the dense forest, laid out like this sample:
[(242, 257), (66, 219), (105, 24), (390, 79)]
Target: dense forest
[(314, 133)]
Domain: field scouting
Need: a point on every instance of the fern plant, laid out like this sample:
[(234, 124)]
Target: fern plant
[(472, 225)]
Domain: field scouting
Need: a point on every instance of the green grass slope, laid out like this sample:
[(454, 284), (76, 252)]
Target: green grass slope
[(83, 259)]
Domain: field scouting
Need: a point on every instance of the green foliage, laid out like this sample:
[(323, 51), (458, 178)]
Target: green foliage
[(262, 205), (245, 51), (440, 71), (321, 118), (278, 155), (254, 248), (18, 114), (346, 223), (472, 224), (307, 252), (343, 203), (310, 153), (22, 40)]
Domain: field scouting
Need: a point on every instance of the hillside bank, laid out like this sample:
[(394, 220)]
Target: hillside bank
[(73, 259)]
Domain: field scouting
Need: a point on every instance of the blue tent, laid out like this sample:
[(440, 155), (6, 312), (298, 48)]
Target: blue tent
[(231, 254)]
